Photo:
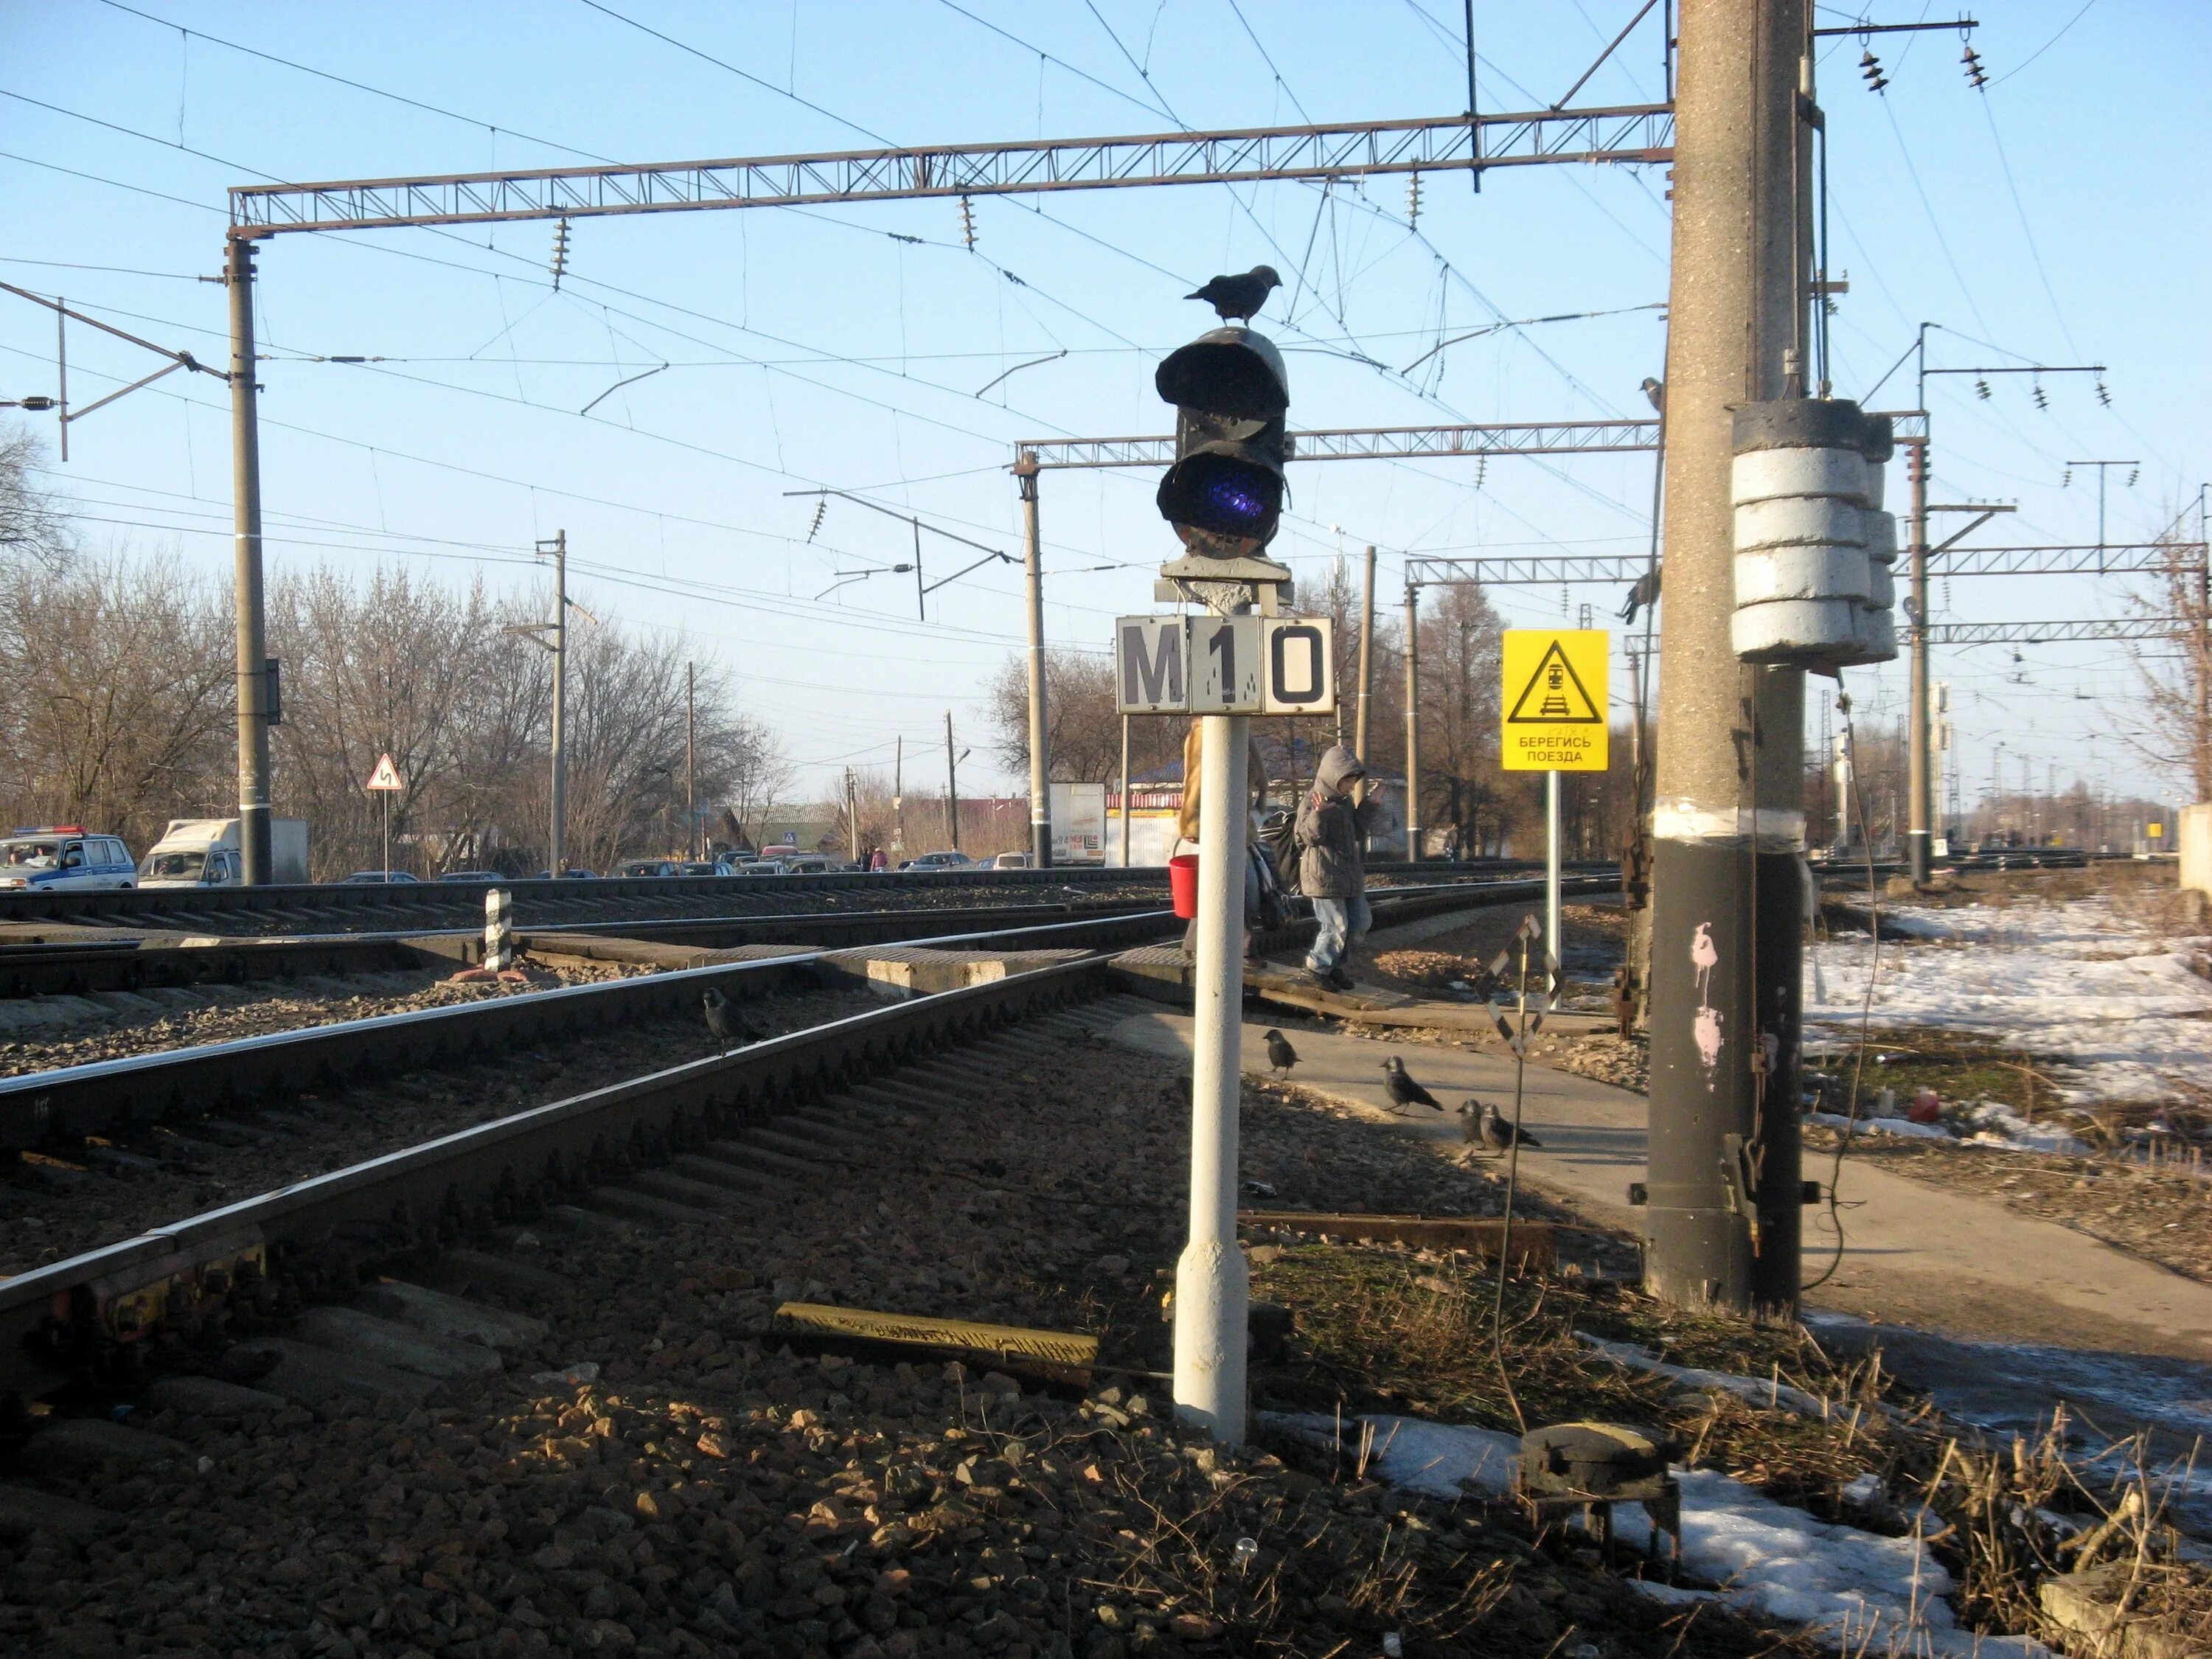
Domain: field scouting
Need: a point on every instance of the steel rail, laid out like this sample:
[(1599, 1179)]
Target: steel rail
[(104, 1095), (414, 1199), (425, 906)]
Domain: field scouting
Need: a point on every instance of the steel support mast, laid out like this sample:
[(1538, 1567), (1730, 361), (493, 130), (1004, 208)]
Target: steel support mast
[(245, 508), (1723, 1191), (1025, 474)]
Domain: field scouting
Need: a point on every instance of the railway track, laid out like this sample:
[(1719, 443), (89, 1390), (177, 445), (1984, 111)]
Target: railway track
[(103, 1317), (422, 907)]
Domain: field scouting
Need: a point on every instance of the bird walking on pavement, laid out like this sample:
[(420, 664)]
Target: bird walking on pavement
[(1470, 1123), (1401, 1088), (1499, 1135), (1280, 1055), (1239, 297), (727, 1026)]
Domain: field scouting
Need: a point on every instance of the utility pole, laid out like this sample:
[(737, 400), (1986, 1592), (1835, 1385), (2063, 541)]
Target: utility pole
[(691, 760), (852, 816), (556, 854), (245, 507), (1724, 1194), (1413, 724), (1366, 658), (951, 787), (898, 800), (1919, 783), (1025, 473), (1125, 792)]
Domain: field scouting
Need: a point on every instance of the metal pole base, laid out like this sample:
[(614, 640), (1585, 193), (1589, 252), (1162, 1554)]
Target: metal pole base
[(1919, 856), (1725, 1195)]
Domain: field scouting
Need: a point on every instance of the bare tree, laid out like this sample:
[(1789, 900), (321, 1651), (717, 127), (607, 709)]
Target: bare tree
[(2171, 723), (32, 530), (115, 693)]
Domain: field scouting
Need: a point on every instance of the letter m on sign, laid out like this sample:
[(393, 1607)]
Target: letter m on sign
[(1149, 669)]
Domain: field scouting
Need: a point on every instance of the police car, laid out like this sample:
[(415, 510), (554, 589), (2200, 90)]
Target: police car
[(62, 855)]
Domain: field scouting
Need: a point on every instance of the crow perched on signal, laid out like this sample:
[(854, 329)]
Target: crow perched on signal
[(1239, 297), (1401, 1088)]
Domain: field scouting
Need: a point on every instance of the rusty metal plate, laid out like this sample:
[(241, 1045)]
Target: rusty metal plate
[(1058, 1347)]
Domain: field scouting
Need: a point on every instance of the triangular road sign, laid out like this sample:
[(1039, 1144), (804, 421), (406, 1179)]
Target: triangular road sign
[(385, 777), (1555, 695)]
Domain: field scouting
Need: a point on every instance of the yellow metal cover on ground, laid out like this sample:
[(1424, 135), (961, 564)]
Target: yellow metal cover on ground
[(1554, 712), (1062, 1347)]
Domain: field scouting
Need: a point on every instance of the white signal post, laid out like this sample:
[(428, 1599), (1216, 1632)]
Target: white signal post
[(383, 783), (1555, 720)]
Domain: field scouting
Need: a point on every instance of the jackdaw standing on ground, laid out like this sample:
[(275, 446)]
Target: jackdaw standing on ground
[(1280, 1055), (1239, 297), (728, 1026), (1401, 1088), (1499, 1135)]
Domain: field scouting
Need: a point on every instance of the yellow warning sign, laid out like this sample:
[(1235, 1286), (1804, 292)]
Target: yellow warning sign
[(1555, 704)]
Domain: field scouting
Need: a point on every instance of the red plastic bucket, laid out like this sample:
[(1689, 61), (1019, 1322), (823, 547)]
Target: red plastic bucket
[(1182, 883)]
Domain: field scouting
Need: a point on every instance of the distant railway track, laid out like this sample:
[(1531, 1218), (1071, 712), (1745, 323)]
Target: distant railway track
[(99, 1316), (139, 1090), (422, 907)]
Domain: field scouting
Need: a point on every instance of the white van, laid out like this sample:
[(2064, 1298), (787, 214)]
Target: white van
[(204, 853), (62, 856)]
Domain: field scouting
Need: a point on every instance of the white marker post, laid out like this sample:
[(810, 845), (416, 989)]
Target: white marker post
[(1212, 1281), (499, 936)]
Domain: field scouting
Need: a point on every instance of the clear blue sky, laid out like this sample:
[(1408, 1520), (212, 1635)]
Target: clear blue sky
[(2055, 218)]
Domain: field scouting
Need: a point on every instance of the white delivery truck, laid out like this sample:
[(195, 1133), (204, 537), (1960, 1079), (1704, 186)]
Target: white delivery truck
[(204, 852)]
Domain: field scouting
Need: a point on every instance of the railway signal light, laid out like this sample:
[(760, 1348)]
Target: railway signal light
[(1224, 493)]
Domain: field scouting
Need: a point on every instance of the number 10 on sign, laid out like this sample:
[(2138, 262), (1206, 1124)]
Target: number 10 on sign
[(1183, 665)]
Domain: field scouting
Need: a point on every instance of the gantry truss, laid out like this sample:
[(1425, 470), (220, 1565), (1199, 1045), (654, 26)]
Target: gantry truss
[(1638, 133), (1554, 569), (2059, 633), (1379, 443)]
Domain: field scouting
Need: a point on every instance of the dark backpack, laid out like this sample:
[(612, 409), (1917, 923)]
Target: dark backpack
[(1277, 840)]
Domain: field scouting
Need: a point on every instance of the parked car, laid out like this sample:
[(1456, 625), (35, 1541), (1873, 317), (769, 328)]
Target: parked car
[(939, 862), (63, 857), (756, 867), (471, 875), (699, 870), (634, 867), (367, 878), (808, 864), (1009, 861)]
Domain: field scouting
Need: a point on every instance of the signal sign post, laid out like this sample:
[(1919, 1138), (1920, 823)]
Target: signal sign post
[(383, 783), (1555, 719)]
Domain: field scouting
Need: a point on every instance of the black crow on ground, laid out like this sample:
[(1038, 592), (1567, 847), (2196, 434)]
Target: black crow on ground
[(728, 1026), (1499, 1135), (1401, 1088), (1239, 297), (1280, 1055)]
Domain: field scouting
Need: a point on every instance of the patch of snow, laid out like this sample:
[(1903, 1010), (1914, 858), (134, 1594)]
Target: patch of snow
[(1758, 1390), (2075, 980), (1997, 1125), (1852, 1589), (1883, 1126), (1864, 1489)]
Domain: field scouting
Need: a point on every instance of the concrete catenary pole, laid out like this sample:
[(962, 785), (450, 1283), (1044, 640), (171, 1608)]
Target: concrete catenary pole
[(245, 509), (951, 787), (1919, 846), (1212, 1281), (1413, 722), (691, 849), (1125, 792), (1025, 473), (1724, 1194), (1366, 656), (557, 858)]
